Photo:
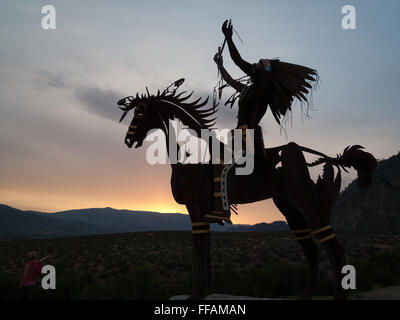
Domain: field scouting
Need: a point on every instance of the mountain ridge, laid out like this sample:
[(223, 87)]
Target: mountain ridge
[(15, 223), (375, 207)]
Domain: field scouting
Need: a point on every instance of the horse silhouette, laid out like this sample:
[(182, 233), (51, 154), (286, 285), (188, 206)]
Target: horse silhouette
[(305, 204)]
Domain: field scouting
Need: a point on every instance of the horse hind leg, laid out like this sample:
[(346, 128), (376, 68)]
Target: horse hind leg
[(299, 228), (301, 193), (299, 188), (326, 237)]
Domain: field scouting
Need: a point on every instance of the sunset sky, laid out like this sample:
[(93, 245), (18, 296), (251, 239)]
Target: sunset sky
[(60, 140)]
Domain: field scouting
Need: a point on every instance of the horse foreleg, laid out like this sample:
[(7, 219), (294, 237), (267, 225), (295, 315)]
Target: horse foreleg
[(201, 246)]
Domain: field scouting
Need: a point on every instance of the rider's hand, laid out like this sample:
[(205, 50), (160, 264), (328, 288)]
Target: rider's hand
[(227, 29), (218, 57)]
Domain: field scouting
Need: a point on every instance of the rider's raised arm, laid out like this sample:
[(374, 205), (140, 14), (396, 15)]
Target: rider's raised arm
[(227, 30), (235, 55)]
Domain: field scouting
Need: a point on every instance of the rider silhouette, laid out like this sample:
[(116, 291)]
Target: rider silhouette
[(271, 83)]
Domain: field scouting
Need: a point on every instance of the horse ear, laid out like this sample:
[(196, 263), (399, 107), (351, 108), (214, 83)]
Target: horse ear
[(123, 116), (179, 82), (148, 93)]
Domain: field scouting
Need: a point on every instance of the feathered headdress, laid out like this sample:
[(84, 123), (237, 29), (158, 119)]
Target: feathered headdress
[(289, 82), (281, 83)]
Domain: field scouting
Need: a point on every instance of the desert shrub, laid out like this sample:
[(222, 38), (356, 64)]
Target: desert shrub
[(8, 287), (384, 277), (114, 266), (363, 273), (381, 269), (68, 287), (271, 280), (391, 261), (227, 279), (138, 284)]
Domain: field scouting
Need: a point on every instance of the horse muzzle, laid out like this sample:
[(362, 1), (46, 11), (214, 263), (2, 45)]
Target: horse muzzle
[(130, 136), (129, 141)]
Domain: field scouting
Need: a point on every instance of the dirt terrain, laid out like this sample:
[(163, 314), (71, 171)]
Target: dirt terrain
[(158, 265)]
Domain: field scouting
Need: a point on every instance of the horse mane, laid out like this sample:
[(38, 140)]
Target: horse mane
[(170, 105), (176, 105)]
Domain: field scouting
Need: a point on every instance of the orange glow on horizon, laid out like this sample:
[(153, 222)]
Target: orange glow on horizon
[(46, 202)]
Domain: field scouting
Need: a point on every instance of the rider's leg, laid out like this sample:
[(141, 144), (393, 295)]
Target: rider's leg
[(218, 212)]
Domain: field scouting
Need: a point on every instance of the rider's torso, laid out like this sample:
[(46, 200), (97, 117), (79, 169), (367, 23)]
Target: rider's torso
[(251, 107)]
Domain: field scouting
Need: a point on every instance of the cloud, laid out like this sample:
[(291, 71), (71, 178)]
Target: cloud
[(55, 80), (102, 102)]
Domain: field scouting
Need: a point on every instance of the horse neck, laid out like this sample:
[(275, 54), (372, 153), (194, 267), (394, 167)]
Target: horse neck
[(174, 143), (171, 136)]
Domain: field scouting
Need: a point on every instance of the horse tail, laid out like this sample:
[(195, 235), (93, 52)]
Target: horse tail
[(352, 157)]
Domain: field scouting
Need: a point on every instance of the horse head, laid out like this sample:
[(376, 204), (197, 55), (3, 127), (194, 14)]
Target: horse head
[(154, 112)]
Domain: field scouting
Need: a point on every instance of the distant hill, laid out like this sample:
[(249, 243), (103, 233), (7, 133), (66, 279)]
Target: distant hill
[(16, 223), (377, 207), (260, 227)]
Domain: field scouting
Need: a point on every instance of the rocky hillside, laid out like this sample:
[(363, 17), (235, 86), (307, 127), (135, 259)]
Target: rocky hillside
[(377, 207)]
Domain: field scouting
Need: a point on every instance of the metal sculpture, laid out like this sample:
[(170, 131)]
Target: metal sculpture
[(305, 204)]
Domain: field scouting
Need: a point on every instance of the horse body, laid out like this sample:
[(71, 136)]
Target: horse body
[(261, 181), (306, 205)]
